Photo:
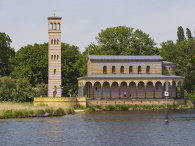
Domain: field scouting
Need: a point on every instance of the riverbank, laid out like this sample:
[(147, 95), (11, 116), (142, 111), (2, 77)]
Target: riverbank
[(119, 107), (25, 110)]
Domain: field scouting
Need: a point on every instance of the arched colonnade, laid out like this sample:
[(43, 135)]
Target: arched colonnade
[(132, 89)]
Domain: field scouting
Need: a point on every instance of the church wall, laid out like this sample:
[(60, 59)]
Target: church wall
[(96, 67)]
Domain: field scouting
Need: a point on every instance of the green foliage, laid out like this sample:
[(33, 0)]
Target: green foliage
[(110, 107), (59, 112), (191, 97), (120, 107), (19, 90), (180, 34), (70, 111), (39, 113), (73, 66), (6, 55), (183, 54), (122, 40), (188, 33), (31, 62), (22, 113)]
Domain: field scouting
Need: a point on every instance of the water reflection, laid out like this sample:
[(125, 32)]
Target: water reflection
[(102, 128)]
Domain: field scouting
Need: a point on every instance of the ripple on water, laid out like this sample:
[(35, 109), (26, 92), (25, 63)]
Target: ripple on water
[(102, 128)]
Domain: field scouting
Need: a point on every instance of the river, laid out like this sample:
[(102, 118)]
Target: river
[(102, 129)]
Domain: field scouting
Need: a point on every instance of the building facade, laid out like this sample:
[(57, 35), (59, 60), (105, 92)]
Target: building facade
[(54, 56), (140, 77)]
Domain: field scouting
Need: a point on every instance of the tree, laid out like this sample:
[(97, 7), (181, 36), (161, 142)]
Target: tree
[(188, 33), (180, 34), (6, 54), (73, 66), (183, 55), (122, 40), (31, 62), (19, 90)]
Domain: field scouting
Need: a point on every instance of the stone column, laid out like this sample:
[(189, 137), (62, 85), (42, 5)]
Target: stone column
[(176, 92), (145, 90), (170, 91), (136, 91), (162, 91), (119, 91), (92, 91), (127, 91), (154, 92), (101, 91), (110, 91), (181, 91), (81, 91)]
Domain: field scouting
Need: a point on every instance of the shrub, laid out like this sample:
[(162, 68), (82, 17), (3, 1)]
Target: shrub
[(70, 111), (39, 113), (110, 107), (59, 112)]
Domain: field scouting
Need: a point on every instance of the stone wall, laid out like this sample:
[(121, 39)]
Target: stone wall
[(96, 67), (134, 101), (63, 102)]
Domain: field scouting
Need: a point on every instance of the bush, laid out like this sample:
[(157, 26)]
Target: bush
[(39, 113), (70, 111), (110, 107), (120, 107), (59, 112)]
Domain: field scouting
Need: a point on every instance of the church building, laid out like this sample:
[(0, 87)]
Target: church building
[(135, 77)]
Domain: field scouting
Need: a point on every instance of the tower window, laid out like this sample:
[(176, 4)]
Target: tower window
[(54, 57), (58, 26), (54, 72), (52, 41), (148, 69), (51, 57), (130, 69), (51, 26), (122, 69), (57, 41), (113, 69), (57, 57), (139, 69), (55, 26), (104, 69)]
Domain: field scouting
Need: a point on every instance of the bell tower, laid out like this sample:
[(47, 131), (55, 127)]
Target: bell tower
[(54, 56)]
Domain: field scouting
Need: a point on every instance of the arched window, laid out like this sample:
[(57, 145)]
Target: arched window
[(51, 26), (51, 57), (54, 42), (54, 57), (58, 25), (57, 41), (55, 26), (130, 69), (148, 69), (113, 69), (54, 71), (57, 57), (139, 69), (104, 69), (122, 69)]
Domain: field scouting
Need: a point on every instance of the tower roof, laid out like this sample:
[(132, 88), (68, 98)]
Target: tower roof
[(125, 57), (54, 17)]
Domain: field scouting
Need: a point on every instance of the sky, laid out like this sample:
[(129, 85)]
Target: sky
[(25, 21)]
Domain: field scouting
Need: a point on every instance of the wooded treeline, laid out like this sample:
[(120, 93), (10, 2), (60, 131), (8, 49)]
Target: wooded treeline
[(24, 74)]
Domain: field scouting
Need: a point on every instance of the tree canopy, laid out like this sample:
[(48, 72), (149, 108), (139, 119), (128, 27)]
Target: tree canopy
[(6, 54), (122, 40)]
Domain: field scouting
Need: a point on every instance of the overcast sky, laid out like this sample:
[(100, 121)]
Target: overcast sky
[(25, 21)]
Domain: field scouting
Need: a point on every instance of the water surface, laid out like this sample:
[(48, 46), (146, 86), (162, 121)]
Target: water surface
[(102, 128)]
